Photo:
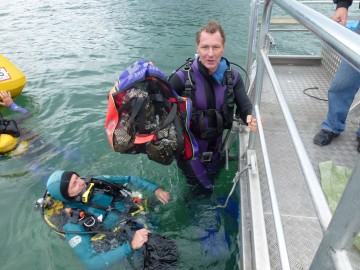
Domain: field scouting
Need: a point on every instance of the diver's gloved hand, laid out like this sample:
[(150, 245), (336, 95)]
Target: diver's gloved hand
[(162, 195), (139, 239)]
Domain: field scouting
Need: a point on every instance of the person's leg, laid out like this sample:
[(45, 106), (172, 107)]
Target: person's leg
[(358, 138), (202, 174), (341, 94), (196, 173)]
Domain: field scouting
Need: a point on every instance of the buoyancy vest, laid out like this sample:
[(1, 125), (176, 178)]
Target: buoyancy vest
[(10, 145), (146, 116), (213, 103)]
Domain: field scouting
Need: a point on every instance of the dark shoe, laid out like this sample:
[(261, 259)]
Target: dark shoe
[(358, 148), (324, 137)]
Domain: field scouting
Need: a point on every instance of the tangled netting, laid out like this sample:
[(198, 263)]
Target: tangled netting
[(149, 119), (160, 253)]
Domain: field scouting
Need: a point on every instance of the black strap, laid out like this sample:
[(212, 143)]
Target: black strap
[(230, 88), (179, 137), (169, 119), (189, 84), (101, 207), (156, 97), (137, 106), (210, 132), (117, 189)]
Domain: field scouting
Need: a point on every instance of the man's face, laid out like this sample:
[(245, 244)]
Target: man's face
[(76, 185), (210, 50)]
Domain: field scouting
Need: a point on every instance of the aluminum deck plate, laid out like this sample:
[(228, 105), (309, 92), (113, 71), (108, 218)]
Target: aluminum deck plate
[(301, 226)]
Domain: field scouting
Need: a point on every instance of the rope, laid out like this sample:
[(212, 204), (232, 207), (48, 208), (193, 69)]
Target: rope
[(235, 180)]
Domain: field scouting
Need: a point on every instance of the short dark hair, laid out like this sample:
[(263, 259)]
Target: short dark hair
[(211, 27)]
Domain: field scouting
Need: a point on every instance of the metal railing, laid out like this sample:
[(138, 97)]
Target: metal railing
[(340, 229)]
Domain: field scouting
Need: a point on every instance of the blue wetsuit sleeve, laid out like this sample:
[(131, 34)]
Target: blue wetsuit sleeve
[(13, 106), (82, 246), (138, 182)]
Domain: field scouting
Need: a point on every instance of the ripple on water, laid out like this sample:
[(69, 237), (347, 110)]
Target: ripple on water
[(72, 52)]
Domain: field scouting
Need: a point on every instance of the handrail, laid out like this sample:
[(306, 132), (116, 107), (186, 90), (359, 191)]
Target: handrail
[(342, 40), (252, 39), (347, 45), (274, 204), (317, 195)]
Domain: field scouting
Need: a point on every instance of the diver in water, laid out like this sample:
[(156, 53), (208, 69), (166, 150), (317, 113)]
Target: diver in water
[(10, 144), (104, 222), (26, 146), (214, 87)]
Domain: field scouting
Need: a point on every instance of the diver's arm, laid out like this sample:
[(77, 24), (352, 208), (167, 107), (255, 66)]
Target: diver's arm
[(242, 101), (137, 182), (140, 183), (177, 84), (82, 246), (343, 3), (8, 102), (18, 108)]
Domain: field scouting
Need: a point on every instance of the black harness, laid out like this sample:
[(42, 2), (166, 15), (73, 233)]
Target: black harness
[(117, 191)]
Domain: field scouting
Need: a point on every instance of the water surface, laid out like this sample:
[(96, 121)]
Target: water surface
[(72, 53)]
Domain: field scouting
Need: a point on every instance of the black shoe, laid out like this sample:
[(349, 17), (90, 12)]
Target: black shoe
[(324, 137), (358, 148)]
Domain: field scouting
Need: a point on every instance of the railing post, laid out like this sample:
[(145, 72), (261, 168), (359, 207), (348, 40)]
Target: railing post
[(264, 30), (251, 40)]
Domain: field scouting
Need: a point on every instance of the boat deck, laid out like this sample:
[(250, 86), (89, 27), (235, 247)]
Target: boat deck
[(300, 223)]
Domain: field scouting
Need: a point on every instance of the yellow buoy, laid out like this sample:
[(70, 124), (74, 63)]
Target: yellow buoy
[(7, 143), (11, 77)]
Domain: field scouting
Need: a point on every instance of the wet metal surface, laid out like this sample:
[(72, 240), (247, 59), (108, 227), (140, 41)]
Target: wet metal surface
[(301, 226)]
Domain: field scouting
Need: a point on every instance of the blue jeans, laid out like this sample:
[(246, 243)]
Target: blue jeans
[(342, 91)]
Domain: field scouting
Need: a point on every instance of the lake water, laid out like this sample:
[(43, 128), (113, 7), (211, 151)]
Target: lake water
[(72, 53)]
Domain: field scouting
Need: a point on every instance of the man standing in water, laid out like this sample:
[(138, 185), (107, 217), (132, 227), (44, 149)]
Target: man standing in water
[(214, 88), (342, 91)]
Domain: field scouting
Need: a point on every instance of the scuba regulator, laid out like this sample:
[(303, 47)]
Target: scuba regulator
[(87, 193)]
